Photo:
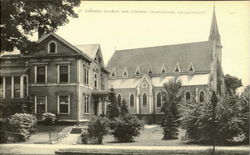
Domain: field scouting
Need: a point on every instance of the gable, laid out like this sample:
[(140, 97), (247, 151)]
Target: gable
[(199, 53)]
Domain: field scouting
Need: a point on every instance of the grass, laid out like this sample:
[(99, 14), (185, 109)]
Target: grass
[(42, 134)]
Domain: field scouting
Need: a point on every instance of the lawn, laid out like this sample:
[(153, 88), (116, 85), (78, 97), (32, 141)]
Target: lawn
[(151, 135), (42, 134)]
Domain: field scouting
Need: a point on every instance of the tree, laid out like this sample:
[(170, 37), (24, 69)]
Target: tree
[(49, 119), (232, 83), (171, 98), (21, 18), (123, 108), (112, 108)]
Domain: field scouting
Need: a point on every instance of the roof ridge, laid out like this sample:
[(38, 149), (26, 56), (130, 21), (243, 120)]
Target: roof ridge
[(131, 49), (87, 44)]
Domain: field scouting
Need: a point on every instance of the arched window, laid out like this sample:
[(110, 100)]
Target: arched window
[(202, 96), (188, 96), (119, 99), (131, 100), (52, 47), (158, 102), (144, 100)]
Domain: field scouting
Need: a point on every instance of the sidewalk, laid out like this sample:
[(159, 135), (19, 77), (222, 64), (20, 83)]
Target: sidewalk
[(50, 149)]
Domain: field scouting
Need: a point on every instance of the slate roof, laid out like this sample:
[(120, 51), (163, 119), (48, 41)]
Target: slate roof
[(197, 53)]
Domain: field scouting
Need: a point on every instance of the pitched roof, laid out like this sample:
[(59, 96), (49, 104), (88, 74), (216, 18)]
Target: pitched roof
[(187, 80), (89, 49), (197, 53)]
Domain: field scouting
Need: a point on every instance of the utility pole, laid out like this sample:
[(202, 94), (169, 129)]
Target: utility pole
[(214, 101)]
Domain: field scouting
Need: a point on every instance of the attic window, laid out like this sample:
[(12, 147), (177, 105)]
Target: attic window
[(137, 72), (191, 68), (52, 47), (125, 72), (177, 68)]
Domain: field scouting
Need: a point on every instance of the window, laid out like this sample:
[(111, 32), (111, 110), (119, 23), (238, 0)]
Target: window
[(52, 47), (137, 72), (16, 86), (132, 100), (163, 70), (158, 102), (86, 76), (7, 87), (119, 99), (1, 87), (40, 74), (40, 102), (144, 100), (150, 71), (63, 74), (25, 85), (191, 68), (95, 81), (177, 68), (202, 96), (63, 104), (188, 96), (125, 72), (86, 105)]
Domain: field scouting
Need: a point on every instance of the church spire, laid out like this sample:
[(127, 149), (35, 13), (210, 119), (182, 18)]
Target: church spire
[(214, 32)]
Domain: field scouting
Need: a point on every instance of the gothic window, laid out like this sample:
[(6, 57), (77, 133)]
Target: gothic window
[(158, 101), (131, 100), (144, 100), (202, 96), (188, 95), (119, 99), (52, 47)]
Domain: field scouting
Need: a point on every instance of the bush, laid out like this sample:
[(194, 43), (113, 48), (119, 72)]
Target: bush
[(19, 127), (97, 128), (48, 118), (198, 122), (126, 128)]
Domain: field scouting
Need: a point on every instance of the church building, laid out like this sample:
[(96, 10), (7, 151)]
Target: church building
[(137, 75)]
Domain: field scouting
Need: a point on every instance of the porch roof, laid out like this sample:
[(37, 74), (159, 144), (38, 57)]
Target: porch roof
[(8, 71)]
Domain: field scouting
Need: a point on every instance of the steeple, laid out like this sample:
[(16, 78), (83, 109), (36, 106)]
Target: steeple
[(214, 32)]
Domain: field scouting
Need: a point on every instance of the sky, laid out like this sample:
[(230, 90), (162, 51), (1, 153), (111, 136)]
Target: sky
[(128, 24)]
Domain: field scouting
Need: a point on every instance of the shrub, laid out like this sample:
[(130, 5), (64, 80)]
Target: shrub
[(126, 128), (84, 137), (97, 128), (19, 127), (48, 118), (198, 122)]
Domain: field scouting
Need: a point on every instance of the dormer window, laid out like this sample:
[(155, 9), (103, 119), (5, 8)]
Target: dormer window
[(137, 72), (191, 67), (150, 70), (177, 68), (113, 74), (163, 69), (52, 47), (125, 72)]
